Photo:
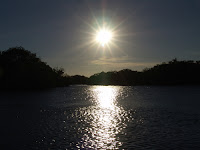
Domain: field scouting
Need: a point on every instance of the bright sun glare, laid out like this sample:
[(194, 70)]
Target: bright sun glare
[(103, 36)]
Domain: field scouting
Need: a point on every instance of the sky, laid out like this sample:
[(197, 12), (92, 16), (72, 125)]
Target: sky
[(62, 32)]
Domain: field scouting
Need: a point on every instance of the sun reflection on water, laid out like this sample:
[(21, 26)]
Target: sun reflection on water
[(104, 119), (105, 96)]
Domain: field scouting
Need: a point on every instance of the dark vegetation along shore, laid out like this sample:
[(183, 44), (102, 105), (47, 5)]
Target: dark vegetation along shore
[(21, 69)]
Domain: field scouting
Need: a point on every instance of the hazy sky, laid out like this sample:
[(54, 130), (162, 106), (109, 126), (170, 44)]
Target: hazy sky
[(146, 32)]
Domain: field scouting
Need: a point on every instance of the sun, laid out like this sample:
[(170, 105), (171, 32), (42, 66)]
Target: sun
[(104, 36)]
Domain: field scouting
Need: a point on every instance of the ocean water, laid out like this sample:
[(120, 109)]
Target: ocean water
[(101, 117)]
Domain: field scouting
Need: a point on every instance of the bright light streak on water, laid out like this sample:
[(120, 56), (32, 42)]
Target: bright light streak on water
[(105, 96), (105, 117), (101, 117)]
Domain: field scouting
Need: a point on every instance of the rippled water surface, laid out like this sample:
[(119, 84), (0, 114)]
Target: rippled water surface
[(101, 117)]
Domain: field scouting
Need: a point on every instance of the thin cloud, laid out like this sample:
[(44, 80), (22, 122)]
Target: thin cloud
[(122, 62)]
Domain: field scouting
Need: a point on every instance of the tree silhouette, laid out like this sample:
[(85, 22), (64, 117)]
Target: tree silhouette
[(172, 73), (22, 69)]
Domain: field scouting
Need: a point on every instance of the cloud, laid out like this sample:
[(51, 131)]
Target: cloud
[(122, 62)]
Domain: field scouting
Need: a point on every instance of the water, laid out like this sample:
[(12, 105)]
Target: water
[(101, 117)]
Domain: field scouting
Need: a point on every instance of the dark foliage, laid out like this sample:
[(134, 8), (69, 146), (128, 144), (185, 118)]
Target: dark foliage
[(77, 79), (123, 77), (171, 73), (21, 69)]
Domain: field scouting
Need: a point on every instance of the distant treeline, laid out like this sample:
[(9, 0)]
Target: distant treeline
[(21, 69), (172, 73)]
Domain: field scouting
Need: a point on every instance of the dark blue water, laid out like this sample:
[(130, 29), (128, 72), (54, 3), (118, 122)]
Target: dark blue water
[(101, 117)]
